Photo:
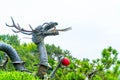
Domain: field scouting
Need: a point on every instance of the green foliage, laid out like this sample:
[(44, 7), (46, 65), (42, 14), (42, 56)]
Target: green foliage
[(10, 39), (107, 67), (14, 75), (53, 49)]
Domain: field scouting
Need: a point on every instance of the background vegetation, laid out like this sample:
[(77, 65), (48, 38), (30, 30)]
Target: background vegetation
[(107, 67)]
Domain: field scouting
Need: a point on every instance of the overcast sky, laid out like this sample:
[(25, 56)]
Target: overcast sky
[(95, 23)]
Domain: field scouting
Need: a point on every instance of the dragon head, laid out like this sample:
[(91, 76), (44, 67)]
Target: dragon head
[(47, 29), (40, 32)]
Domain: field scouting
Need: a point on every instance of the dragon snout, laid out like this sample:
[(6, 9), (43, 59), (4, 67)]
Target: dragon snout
[(50, 25)]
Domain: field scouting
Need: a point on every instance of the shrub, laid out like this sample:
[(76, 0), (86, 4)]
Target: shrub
[(15, 75)]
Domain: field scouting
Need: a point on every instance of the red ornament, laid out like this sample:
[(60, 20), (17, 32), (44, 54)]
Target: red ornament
[(65, 61)]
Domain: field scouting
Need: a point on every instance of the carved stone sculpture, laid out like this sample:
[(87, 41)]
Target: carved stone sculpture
[(38, 35), (12, 53)]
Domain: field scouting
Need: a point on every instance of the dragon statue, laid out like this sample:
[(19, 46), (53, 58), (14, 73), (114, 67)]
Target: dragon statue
[(38, 35)]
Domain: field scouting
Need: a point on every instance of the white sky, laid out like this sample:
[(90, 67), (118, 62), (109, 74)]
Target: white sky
[(95, 23)]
